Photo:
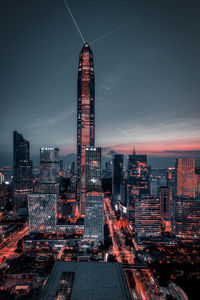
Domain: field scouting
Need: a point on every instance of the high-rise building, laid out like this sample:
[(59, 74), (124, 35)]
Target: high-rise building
[(93, 169), (85, 119), (185, 177), (187, 218), (49, 170), (22, 170), (148, 222), (42, 212), (117, 177), (165, 207), (197, 190), (137, 181), (94, 217)]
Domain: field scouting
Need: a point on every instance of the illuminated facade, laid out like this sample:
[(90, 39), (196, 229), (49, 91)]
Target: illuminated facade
[(185, 177), (165, 207), (117, 177), (49, 170), (93, 169), (94, 217), (148, 221), (85, 119), (42, 212), (187, 218), (137, 181), (22, 170)]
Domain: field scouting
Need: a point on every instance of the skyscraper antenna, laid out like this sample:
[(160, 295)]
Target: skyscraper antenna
[(67, 6)]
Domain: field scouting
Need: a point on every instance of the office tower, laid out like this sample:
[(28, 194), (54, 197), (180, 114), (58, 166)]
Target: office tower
[(94, 217), (165, 207), (187, 218), (42, 212), (137, 181), (85, 119), (148, 222), (22, 170), (197, 190), (185, 177), (93, 169), (49, 170), (117, 176), (138, 174), (61, 165), (158, 178)]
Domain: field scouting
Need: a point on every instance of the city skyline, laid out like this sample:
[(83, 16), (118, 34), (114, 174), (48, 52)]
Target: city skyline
[(160, 117)]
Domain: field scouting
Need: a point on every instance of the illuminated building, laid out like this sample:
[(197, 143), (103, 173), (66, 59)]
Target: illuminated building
[(117, 177), (49, 170), (42, 212), (2, 178), (197, 190), (137, 181), (93, 169), (94, 217), (185, 177), (187, 217), (85, 119), (165, 207), (148, 221), (22, 171)]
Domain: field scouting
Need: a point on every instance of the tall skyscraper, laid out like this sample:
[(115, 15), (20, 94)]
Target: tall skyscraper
[(117, 177), (137, 181), (49, 170), (185, 177), (85, 119), (94, 217), (22, 170)]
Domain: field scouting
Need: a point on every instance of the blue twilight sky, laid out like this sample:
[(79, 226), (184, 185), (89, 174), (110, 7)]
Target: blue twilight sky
[(147, 71)]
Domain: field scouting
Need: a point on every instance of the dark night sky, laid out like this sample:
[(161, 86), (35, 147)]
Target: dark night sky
[(147, 73)]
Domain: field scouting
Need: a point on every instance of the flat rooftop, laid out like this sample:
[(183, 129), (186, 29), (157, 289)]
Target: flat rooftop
[(86, 281)]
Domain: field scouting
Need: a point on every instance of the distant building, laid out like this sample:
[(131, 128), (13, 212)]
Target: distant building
[(94, 217), (187, 217), (93, 169), (22, 171), (148, 221), (117, 177), (165, 207), (185, 177), (49, 169), (85, 119), (197, 189), (42, 212), (86, 281), (137, 181)]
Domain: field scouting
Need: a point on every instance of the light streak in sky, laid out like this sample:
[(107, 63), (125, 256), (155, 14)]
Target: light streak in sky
[(75, 23)]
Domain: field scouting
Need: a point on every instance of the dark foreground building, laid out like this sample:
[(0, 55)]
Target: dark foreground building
[(86, 281)]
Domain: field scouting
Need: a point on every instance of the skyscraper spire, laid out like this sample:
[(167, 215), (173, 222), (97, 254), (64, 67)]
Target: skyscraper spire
[(85, 119)]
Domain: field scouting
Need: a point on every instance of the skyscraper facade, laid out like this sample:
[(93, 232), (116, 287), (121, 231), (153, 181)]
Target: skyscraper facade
[(93, 169), (85, 119), (148, 222), (22, 170), (185, 177), (166, 207), (49, 169), (42, 212), (94, 217), (117, 177)]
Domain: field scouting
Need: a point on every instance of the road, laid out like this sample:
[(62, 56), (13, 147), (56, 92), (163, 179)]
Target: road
[(7, 248)]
